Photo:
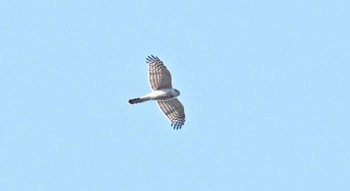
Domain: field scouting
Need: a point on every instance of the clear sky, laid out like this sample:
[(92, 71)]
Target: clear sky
[(265, 85)]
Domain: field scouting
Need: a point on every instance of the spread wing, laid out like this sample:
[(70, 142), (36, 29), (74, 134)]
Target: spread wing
[(159, 76), (174, 110)]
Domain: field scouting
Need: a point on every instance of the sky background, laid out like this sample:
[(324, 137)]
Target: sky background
[(265, 85)]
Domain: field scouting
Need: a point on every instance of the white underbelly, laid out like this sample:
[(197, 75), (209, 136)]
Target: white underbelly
[(165, 94)]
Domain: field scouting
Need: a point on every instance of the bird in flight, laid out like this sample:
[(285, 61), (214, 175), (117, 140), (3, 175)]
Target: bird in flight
[(163, 92)]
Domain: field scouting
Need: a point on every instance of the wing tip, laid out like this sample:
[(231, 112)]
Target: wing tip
[(152, 58), (177, 125)]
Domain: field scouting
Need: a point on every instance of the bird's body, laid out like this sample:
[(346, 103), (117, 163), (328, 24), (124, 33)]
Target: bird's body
[(157, 95), (163, 92)]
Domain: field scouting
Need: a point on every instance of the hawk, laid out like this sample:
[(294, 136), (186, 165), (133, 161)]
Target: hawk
[(163, 92)]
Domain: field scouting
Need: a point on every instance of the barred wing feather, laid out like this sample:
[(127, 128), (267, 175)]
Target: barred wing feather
[(159, 76)]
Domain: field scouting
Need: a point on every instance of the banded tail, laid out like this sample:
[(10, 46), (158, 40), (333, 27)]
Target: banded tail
[(137, 100)]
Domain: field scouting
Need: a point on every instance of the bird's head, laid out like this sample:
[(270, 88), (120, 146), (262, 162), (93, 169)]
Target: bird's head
[(176, 92)]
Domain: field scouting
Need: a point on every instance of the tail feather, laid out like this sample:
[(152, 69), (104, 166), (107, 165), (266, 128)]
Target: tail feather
[(137, 100)]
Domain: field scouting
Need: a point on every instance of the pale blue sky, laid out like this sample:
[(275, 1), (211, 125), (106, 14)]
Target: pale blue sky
[(265, 85)]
